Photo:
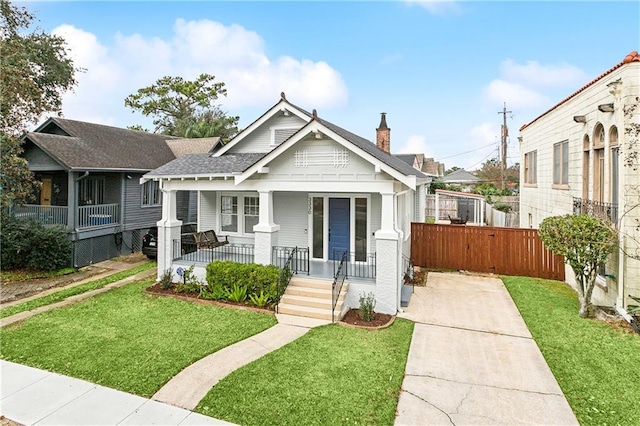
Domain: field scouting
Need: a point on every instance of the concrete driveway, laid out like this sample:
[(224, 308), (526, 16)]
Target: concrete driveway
[(473, 361)]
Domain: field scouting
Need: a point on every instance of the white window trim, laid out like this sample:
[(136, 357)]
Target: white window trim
[(352, 223), (272, 138), (143, 188), (560, 184), (240, 195)]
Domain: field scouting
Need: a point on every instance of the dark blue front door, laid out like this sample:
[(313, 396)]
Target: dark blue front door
[(339, 237)]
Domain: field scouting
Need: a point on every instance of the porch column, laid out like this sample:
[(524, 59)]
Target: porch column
[(266, 231), (387, 255), (168, 231), (72, 201)]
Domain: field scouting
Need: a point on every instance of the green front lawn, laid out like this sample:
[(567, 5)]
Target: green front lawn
[(125, 339), (333, 375), (597, 366)]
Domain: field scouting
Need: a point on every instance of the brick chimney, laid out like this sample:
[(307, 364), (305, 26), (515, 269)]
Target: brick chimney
[(383, 134)]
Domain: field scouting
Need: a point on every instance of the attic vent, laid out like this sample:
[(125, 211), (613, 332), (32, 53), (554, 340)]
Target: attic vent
[(280, 135), (335, 158)]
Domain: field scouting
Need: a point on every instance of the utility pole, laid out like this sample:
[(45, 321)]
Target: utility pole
[(503, 150)]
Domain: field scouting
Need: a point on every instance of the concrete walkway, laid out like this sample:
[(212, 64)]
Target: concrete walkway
[(35, 397), (188, 387), (472, 359)]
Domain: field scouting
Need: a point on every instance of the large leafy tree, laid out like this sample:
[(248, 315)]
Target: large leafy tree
[(491, 174), (35, 71), (586, 242), (185, 108)]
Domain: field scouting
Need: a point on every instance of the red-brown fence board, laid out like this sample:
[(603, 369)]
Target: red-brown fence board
[(506, 251)]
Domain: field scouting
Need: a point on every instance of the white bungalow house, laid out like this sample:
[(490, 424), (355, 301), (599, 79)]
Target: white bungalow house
[(292, 179), (583, 156)]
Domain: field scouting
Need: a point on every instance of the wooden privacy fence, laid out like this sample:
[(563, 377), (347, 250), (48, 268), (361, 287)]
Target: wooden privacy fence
[(506, 251)]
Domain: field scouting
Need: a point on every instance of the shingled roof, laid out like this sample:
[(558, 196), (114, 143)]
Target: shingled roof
[(206, 164), (78, 145)]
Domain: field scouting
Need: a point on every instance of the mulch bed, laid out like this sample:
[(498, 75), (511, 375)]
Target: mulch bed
[(350, 319), (379, 321)]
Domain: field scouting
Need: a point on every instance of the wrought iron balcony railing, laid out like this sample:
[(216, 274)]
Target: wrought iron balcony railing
[(605, 211)]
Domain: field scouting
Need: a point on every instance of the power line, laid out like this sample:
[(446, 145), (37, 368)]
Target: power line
[(466, 152)]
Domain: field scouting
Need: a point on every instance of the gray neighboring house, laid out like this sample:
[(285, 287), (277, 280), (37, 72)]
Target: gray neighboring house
[(90, 176), (463, 178)]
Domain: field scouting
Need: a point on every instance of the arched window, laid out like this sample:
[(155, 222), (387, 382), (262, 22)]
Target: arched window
[(613, 171), (586, 160), (598, 163)]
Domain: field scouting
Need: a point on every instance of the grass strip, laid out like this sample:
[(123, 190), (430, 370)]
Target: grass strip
[(72, 291), (595, 364), (333, 375), (126, 339)]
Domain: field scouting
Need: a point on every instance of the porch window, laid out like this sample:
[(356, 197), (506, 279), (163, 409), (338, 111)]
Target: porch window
[(530, 167), (151, 194), (318, 227), (251, 213), (91, 190), (561, 163), (229, 213), (361, 229)]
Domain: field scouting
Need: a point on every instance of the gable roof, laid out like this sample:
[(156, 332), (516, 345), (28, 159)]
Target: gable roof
[(460, 176), (631, 57), (182, 146), (202, 166), (91, 146)]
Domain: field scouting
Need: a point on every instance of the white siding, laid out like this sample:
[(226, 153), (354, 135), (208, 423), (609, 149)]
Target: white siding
[(261, 139), (286, 167), (290, 212), (207, 215)]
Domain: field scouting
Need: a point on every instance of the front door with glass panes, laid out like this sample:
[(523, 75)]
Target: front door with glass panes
[(338, 225)]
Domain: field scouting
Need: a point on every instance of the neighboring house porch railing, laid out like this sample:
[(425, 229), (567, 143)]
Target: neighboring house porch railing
[(605, 211), (356, 267), (95, 216), (47, 215)]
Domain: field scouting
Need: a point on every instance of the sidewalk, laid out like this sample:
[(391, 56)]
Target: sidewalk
[(472, 359), (30, 396)]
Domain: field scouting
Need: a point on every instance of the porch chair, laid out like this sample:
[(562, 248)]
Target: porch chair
[(209, 239)]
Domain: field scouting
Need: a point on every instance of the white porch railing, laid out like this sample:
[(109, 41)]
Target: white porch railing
[(98, 215), (48, 215)]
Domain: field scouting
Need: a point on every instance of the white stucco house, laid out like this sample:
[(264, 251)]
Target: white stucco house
[(292, 179), (582, 156)]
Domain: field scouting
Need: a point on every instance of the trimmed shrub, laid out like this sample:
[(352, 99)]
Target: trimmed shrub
[(28, 244), (229, 278)]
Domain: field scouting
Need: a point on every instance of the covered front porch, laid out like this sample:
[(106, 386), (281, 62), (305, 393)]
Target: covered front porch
[(301, 264)]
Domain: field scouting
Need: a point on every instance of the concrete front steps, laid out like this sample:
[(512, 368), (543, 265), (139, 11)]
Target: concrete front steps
[(311, 298)]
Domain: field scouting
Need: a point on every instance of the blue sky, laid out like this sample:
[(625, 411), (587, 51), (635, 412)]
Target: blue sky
[(440, 70)]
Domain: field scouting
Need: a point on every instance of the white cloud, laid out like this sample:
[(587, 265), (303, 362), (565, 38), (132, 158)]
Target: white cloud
[(532, 73), (515, 95), (236, 56), (437, 7), (416, 144)]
